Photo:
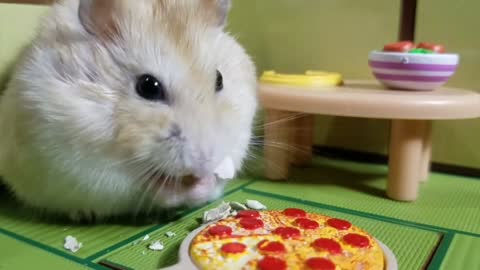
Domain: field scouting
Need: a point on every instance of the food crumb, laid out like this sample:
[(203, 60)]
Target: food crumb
[(146, 237), (72, 244), (156, 246), (255, 205), (170, 234), (221, 212), (238, 206)]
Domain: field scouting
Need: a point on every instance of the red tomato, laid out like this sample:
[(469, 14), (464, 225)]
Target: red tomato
[(438, 48), (402, 46)]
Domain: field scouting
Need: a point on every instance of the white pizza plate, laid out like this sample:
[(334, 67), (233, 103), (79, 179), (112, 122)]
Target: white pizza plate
[(186, 263)]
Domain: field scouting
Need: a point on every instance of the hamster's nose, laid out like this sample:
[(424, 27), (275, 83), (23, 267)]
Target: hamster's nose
[(175, 131)]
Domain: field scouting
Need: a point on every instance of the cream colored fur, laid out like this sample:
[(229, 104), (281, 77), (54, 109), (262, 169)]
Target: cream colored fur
[(77, 139)]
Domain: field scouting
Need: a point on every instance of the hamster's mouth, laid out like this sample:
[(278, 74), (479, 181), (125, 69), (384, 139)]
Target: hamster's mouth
[(183, 182), (224, 171)]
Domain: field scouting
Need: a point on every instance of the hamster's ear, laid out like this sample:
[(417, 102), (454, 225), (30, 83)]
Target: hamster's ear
[(97, 17), (222, 8)]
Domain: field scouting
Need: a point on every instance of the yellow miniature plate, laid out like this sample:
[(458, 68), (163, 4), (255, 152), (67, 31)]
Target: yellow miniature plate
[(310, 78)]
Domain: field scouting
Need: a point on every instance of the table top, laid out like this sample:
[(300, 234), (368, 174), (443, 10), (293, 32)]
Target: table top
[(369, 99)]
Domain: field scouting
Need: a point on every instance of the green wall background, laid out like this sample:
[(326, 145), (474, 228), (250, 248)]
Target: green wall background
[(335, 35), (456, 24), (17, 27)]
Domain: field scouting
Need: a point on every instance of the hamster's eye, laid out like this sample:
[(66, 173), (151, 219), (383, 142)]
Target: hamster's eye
[(150, 88), (219, 83)]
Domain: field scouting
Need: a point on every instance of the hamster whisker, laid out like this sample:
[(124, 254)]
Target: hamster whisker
[(289, 147), (285, 119), (167, 179), (144, 178)]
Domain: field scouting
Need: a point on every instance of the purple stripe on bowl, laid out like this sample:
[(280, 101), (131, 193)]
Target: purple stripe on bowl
[(411, 78), (422, 67)]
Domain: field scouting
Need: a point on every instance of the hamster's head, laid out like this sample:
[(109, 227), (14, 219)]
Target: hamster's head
[(164, 92), (184, 92)]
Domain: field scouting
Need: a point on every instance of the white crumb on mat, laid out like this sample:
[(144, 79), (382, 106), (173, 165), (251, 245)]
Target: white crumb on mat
[(71, 243), (146, 237), (156, 246), (170, 234), (255, 205), (238, 206), (218, 213)]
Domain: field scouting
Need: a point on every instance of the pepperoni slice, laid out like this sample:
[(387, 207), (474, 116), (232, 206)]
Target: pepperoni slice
[(287, 232), (251, 223), (234, 248), (320, 264), (248, 214), (266, 246), (339, 224), (294, 212), (307, 224), (272, 263), (356, 240), (220, 230), (325, 244)]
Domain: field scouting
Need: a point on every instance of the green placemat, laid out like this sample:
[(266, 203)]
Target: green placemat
[(462, 253), (15, 219), (446, 202), (19, 255)]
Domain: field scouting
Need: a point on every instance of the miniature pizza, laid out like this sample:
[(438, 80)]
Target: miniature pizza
[(289, 239)]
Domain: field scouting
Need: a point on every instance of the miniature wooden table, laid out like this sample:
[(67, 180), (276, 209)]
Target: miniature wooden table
[(410, 139)]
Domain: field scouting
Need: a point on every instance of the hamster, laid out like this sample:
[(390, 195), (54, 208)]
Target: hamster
[(120, 107)]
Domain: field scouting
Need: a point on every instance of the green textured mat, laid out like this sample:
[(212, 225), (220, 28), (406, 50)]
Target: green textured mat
[(446, 202), (436, 232), (462, 253), (20, 255), (15, 221)]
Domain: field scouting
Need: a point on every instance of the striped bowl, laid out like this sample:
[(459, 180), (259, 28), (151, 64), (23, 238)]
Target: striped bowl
[(407, 71)]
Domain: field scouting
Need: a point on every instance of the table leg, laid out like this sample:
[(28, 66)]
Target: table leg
[(302, 133), (277, 143), (426, 152), (406, 147)]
